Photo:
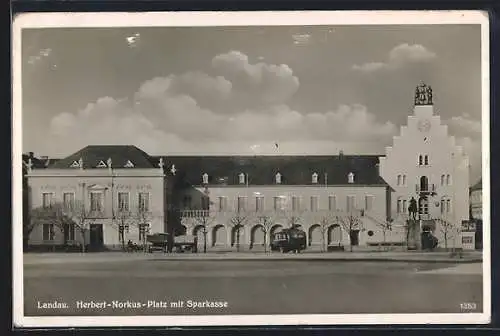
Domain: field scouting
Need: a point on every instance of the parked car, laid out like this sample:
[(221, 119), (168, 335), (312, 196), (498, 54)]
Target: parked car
[(287, 240)]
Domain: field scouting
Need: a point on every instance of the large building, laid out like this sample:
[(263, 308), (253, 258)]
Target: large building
[(99, 196), (424, 163), (118, 193)]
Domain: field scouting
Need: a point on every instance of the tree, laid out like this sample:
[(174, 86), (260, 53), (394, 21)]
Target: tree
[(448, 231), (327, 219), (205, 219), (349, 222), (265, 223), (237, 222), (123, 219), (143, 219), (384, 225), (79, 215)]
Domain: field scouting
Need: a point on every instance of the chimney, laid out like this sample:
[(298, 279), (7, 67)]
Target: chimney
[(31, 155)]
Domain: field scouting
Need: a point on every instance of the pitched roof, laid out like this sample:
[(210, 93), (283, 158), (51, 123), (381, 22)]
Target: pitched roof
[(94, 156), (261, 170), (478, 185)]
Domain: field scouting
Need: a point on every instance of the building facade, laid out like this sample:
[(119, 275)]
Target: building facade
[(237, 203), (424, 163), (101, 196)]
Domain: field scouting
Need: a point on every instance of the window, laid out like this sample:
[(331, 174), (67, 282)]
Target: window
[(399, 206), (279, 203), (278, 178), (295, 203), (242, 204), (314, 203), (404, 180), (332, 203), (123, 201), (442, 179), (96, 201), (259, 203), (404, 206), (48, 232), (351, 203), (314, 178), (368, 202), (399, 179), (187, 202), (47, 199), (420, 160), (350, 178), (426, 160), (68, 201), (448, 205), (144, 202), (443, 205), (448, 180), (69, 232), (143, 229), (222, 203), (242, 178)]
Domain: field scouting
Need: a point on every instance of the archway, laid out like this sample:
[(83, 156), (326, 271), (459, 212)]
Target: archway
[(315, 235), (238, 235), (257, 236), (424, 183), (181, 230), (219, 235), (198, 232), (335, 235)]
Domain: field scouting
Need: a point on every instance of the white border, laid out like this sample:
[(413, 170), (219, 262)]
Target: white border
[(190, 19)]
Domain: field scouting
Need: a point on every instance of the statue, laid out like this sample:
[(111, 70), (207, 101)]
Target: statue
[(413, 209), (423, 95)]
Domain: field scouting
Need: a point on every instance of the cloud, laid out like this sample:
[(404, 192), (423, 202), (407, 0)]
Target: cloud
[(398, 57), (170, 115), (464, 124), (268, 83)]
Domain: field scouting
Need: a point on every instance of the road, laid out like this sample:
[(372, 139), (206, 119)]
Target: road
[(128, 287)]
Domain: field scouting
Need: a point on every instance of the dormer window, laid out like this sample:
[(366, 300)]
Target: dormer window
[(278, 178), (129, 164), (205, 178), (101, 164), (315, 178), (242, 178), (75, 164), (350, 177)]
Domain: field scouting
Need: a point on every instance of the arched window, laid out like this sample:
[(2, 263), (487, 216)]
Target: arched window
[(426, 160), (442, 179), (420, 160), (404, 206), (399, 179), (424, 183), (404, 180), (448, 205), (443, 205), (448, 179)]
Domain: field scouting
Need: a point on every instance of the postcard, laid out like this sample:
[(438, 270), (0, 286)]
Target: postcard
[(251, 168)]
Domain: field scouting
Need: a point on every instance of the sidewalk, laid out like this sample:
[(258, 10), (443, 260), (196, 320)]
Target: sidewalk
[(427, 257)]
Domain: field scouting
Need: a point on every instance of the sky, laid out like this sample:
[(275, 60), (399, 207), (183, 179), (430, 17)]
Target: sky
[(242, 90)]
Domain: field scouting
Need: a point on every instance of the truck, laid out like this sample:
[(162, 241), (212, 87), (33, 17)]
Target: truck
[(286, 240), (162, 242)]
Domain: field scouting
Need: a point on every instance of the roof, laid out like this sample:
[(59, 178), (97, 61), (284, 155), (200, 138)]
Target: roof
[(477, 186), (262, 170), (97, 156)]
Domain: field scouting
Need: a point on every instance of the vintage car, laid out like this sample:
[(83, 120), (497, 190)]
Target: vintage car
[(287, 240), (162, 242)]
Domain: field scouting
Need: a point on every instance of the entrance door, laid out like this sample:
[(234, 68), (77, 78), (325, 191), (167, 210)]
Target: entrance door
[(96, 236), (354, 237)]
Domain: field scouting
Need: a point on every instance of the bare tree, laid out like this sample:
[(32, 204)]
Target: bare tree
[(266, 223), (143, 219), (237, 222), (80, 216), (384, 225), (448, 231), (205, 219), (349, 222), (326, 221), (124, 220)]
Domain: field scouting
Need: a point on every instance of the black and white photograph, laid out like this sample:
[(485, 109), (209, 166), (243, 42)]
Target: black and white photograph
[(251, 168)]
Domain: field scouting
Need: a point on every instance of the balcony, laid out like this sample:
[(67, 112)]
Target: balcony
[(194, 213), (425, 189)]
